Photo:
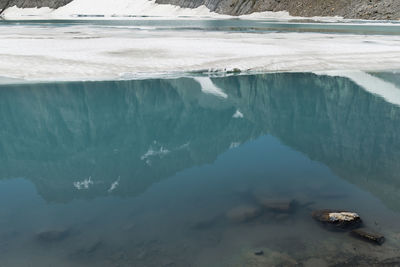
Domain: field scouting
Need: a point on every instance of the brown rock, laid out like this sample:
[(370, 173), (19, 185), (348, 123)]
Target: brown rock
[(368, 235)]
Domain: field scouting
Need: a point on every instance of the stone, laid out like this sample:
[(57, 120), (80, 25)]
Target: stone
[(368, 235), (259, 253), (243, 213), (52, 235), (338, 219), (235, 70), (277, 205)]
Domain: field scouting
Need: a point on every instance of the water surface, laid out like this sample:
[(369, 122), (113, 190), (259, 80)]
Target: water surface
[(145, 173)]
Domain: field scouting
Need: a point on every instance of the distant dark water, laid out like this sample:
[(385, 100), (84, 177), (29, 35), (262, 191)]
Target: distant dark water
[(146, 172), (223, 25)]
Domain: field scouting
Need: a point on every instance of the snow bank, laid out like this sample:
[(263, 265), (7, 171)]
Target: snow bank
[(284, 16), (128, 8), (15, 12), (107, 9)]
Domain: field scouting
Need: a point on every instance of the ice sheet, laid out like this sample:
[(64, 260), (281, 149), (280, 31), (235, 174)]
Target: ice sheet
[(99, 52)]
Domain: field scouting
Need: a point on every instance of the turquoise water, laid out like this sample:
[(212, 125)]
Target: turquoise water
[(226, 25), (146, 172)]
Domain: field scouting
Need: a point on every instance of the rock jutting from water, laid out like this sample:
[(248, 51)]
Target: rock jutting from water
[(335, 219)]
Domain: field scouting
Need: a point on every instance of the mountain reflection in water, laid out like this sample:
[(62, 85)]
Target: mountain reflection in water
[(81, 142), (144, 131)]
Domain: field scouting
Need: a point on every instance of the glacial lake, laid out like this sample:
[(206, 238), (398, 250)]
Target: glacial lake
[(152, 172)]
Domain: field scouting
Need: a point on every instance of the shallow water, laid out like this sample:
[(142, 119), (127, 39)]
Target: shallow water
[(146, 172)]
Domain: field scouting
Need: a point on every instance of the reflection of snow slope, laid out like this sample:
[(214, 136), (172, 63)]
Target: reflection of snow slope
[(372, 84), (208, 87), (96, 52), (238, 115), (151, 153), (83, 184), (114, 185)]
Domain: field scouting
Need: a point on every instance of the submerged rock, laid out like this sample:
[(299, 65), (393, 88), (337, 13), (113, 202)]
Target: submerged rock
[(243, 213), (52, 235), (338, 219), (277, 205), (368, 235), (259, 253)]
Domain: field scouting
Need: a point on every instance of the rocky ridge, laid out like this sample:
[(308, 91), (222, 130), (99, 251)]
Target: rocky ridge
[(355, 9)]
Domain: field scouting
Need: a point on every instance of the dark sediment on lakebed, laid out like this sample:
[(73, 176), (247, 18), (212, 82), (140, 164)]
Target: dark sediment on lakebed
[(352, 9)]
